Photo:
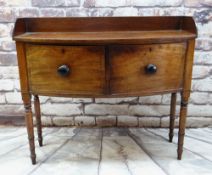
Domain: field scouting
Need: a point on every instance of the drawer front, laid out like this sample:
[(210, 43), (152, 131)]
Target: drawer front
[(67, 70), (146, 69)]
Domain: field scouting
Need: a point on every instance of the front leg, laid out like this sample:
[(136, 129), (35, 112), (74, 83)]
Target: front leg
[(185, 95), (29, 124)]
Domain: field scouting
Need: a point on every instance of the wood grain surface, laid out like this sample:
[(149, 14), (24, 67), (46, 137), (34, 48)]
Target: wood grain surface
[(128, 68), (87, 69), (104, 30)]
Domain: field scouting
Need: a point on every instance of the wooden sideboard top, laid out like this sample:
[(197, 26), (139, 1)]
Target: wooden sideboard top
[(104, 30)]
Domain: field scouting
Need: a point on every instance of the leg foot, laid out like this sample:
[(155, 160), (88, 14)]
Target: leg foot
[(40, 142), (170, 138), (179, 152), (33, 159)]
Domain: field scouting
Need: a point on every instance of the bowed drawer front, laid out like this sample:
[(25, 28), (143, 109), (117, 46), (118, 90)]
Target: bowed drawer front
[(66, 69), (145, 69), (81, 70)]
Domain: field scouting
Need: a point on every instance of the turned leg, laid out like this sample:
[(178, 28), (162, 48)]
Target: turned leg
[(29, 125), (182, 125), (172, 116), (38, 119)]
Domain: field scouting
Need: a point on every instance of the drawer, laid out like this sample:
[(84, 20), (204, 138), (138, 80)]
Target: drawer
[(146, 69), (62, 70)]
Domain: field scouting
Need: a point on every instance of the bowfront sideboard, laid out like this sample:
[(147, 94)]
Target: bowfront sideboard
[(104, 57)]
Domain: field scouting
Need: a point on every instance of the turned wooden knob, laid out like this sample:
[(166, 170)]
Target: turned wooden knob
[(151, 68), (63, 70)]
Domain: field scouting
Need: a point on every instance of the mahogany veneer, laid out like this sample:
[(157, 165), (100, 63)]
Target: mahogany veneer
[(104, 57)]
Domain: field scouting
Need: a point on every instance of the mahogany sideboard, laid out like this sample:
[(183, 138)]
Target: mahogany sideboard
[(104, 57)]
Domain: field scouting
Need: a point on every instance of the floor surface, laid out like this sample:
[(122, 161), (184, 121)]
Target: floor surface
[(107, 151)]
